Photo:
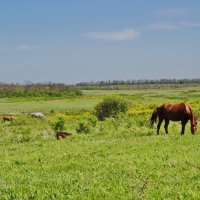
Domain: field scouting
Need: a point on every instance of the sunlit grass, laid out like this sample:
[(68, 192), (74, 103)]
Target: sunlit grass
[(119, 158)]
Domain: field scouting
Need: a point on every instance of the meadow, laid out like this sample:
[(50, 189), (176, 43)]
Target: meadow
[(119, 158)]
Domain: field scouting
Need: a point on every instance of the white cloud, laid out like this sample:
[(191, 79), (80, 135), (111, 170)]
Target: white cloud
[(163, 26), (126, 34), (190, 24), (171, 13), (24, 47)]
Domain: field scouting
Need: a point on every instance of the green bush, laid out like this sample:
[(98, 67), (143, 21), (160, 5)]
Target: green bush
[(59, 125), (93, 120), (111, 107), (83, 127)]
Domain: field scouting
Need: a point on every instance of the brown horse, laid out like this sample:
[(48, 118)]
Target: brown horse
[(60, 135), (174, 112), (8, 118)]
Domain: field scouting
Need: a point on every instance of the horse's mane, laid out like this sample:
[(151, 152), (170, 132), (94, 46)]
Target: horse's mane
[(192, 115)]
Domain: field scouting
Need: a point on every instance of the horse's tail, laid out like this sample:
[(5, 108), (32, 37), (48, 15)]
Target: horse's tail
[(154, 117), (193, 121)]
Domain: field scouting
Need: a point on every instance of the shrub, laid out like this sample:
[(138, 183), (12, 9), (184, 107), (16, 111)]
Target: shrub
[(83, 127), (111, 107), (59, 125), (93, 120)]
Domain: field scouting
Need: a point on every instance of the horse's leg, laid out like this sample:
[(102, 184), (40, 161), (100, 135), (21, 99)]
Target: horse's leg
[(183, 123), (159, 124), (166, 125)]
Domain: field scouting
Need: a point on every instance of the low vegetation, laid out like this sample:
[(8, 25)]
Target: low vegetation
[(111, 107), (37, 90), (119, 157)]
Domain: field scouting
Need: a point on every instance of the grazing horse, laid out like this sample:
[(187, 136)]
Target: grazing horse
[(174, 112), (60, 135), (37, 115), (8, 118)]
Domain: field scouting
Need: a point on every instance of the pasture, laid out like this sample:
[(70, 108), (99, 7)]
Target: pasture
[(119, 158)]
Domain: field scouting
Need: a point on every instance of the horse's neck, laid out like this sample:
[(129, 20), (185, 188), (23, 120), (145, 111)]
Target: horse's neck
[(192, 118)]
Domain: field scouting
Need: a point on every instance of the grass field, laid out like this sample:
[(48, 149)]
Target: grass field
[(115, 159)]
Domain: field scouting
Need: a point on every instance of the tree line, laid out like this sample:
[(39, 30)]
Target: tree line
[(37, 90), (140, 81)]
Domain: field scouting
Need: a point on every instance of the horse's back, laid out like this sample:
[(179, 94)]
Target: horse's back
[(8, 118), (175, 112), (61, 134), (37, 115)]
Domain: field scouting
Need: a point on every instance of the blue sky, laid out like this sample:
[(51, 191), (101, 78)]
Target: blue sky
[(89, 40)]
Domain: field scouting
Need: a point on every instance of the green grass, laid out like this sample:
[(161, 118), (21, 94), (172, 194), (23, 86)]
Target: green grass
[(118, 159), (109, 166), (92, 97), (46, 105)]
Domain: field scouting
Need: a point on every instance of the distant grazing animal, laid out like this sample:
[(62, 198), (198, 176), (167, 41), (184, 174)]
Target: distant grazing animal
[(60, 135), (8, 118), (37, 115), (174, 112)]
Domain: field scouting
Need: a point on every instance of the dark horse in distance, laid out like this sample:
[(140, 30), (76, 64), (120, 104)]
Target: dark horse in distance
[(174, 112), (60, 135)]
